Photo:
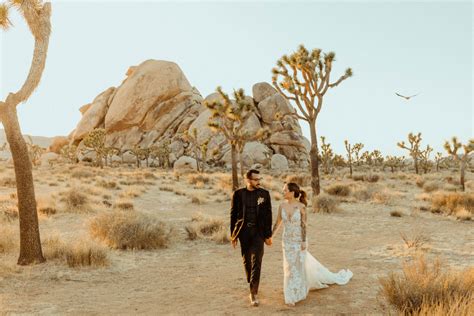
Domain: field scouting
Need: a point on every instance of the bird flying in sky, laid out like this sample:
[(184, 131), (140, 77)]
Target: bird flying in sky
[(405, 97)]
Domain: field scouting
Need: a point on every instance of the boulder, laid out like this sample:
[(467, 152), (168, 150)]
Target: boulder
[(279, 163)]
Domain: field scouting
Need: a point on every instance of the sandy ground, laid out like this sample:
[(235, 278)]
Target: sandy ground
[(202, 277)]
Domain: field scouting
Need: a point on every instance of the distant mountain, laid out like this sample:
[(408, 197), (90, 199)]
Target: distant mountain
[(38, 140)]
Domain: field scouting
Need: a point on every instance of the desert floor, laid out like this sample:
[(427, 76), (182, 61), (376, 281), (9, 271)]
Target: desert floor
[(204, 277)]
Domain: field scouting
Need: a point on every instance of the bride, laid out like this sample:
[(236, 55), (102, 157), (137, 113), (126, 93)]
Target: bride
[(302, 272)]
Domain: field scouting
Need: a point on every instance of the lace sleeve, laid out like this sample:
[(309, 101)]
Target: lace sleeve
[(303, 224)]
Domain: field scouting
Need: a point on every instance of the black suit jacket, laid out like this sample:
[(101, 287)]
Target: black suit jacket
[(264, 214)]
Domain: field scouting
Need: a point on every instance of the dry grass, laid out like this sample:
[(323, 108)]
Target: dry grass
[(198, 178), (416, 241), (338, 189), (124, 205), (8, 182), (324, 203), (206, 227), (82, 174), (8, 238), (451, 203), (198, 199), (431, 186), (76, 200), (46, 205), (423, 289), (130, 230), (79, 253), (8, 208), (463, 215)]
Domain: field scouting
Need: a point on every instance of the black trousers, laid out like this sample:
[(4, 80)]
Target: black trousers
[(251, 245)]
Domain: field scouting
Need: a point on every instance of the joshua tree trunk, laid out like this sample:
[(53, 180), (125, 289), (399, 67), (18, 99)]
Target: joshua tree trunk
[(233, 155), (463, 169), (415, 159), (313, 153), (30, 243), (350, 166)]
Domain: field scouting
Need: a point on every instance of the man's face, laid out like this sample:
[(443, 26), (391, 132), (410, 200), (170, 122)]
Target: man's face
[(254, 181)]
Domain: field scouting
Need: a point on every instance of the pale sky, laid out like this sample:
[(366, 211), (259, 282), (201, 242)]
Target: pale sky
[(398, 46)]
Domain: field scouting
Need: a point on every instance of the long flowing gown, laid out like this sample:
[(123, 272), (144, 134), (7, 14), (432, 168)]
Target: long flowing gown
[(302, 272)]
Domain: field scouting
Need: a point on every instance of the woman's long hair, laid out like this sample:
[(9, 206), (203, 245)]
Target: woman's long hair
[(297, 192)]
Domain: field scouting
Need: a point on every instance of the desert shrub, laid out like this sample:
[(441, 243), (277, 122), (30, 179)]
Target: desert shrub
[(196, 178), (76, 200), (450, 203), (76, 254), (431, 186), (107, 184), (124, 205), (422, 289), (46, 205), (420, 182), (206, 227), (358, 177), (8, 209), (197, 199), (8, 238), (130, 230), (325, 203), (9, 182), (338, 189), (372, 177)]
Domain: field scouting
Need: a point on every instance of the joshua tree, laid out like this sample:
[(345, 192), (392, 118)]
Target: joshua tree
[(69, 152), (303, 78), (110, 152), (463, 159), (199, 150), (358, 157), (162, 153), (425, 162), (228, 117), (34, 152), (350, 151), (37, 15), (95, 142), (414, 148), (438, 159), (367, 156), (327, 155), (377, 157), (338, 161), (394, 162)]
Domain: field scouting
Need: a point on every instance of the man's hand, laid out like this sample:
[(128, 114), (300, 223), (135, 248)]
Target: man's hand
[(268, 241), (234, 242)]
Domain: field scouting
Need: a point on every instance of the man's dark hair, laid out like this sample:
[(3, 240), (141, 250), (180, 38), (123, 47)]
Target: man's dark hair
[(250, 172)]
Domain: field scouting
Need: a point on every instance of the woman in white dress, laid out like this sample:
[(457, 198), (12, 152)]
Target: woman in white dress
[(302, 272)]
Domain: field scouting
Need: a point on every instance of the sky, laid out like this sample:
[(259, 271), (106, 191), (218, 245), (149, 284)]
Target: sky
[(398, 46)]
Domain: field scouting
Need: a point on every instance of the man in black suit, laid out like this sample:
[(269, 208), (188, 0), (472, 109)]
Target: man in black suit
[(251, 223)]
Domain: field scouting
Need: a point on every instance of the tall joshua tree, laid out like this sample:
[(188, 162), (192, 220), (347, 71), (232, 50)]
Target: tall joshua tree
[(37, 15), (414, 148), (304, 78), (350, 151), (228, 117), (464, 158)]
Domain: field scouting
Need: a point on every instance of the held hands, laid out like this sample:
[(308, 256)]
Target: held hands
[(234, 243), (268, 241)]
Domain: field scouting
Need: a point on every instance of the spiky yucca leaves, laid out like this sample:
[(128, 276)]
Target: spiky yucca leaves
[(367, 158), (327, 155), (414, 148), (69, 153), (37, 15), (394, 162), (95, 141), (463, 159), (228, 117), (303, 78)]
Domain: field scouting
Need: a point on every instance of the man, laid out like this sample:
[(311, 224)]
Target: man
[(251, 224)]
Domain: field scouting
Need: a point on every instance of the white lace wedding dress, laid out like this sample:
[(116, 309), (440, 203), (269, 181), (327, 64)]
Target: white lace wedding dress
[(302, 272)]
